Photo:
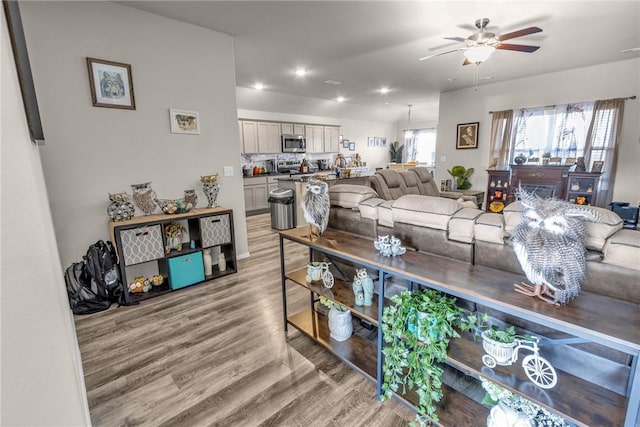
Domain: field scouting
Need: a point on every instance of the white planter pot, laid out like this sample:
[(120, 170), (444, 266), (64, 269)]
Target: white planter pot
[(340, 326)]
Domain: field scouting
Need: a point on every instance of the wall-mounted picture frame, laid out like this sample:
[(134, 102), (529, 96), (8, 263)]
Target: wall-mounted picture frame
[(352, 146), (597, 166), (111, 84), (383, 142), (184, 121), (467, 136), (345, 143), (371, 141)]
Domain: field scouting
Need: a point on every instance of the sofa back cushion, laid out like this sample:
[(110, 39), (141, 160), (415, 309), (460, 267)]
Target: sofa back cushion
[(350, 196), (426, 184), (388, 184), (411, 182)]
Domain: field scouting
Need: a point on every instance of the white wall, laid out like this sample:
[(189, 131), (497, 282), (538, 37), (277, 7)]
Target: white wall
[(613, 80), (92, 151), (42, 380)]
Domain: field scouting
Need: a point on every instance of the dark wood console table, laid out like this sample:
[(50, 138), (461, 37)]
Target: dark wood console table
[(589, 318)]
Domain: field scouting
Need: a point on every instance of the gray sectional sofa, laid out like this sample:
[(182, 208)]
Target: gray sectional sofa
[(408, 205)]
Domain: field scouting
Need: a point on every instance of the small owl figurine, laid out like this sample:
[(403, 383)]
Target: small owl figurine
[(549, 244), (316, 205)]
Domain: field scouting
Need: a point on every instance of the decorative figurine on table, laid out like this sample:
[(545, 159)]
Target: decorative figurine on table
[(144, 197), (549, 243), (173, 232), (120, 208), (316, 206), (367, 285), (358, 292)]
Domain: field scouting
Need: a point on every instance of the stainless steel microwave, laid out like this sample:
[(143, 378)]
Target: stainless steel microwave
[(294, 143)]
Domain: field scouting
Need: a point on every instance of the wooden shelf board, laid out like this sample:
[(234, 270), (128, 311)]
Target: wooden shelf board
[(357, 351), (341, 293), (579, 401), (454, 409)]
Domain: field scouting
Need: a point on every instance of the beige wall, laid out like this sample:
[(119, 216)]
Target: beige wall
[(618, 79), (93, 151), (41, 382)]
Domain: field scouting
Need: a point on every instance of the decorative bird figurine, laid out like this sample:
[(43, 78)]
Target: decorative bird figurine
[(316, 205), (550, 245)]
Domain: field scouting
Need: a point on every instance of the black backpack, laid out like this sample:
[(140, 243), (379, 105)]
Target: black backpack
[(102, 269), (82, 299)]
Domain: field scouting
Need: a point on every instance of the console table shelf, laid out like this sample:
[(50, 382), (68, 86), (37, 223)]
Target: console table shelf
[(589, 318)]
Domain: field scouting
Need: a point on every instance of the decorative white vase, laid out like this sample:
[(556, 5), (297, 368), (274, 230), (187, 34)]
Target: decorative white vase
[(222, 262), (340, 326), (206, 257)]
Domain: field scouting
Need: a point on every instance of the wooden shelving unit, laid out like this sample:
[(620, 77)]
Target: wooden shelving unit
[(580, 401)]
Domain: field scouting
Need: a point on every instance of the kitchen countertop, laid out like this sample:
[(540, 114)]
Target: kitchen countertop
[(302, 178)]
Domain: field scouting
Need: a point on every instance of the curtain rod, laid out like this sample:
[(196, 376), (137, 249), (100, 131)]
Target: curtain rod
[(551, 106)]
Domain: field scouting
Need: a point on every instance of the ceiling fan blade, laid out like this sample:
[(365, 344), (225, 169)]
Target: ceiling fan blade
[(519, 33), (518, 47), (441, 53), (457, 39)]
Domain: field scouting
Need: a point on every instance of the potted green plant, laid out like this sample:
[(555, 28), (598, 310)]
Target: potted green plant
[(545, 157), (461, 174), (395, 151), (417, 329)]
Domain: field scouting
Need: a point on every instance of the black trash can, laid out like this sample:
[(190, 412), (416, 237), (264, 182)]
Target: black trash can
[(281, 205)]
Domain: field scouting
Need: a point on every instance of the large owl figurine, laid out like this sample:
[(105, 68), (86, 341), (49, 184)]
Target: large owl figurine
[(315, 205), (549, 244)]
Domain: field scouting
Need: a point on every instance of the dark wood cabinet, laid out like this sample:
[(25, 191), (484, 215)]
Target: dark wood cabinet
[(497, 190), (582, 188), (545, 181)]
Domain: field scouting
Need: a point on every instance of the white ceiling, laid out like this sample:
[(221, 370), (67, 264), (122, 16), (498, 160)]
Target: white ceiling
[(370, 44)]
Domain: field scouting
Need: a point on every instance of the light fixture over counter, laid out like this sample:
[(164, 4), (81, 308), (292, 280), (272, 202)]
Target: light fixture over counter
[(478, 54)]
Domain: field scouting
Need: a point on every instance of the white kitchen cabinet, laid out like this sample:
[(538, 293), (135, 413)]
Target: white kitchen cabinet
[(292, 129), (249, 137), (315, 138), (255, 193), (269, 137), (331, 139)]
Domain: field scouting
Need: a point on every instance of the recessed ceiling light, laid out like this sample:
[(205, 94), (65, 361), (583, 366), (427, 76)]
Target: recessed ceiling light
[(384, 90), (333, 82), (258, 86), (301, 72), (340, 99)]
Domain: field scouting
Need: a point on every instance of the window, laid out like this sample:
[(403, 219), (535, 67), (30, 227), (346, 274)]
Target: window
[(560, 131), (420, 146)]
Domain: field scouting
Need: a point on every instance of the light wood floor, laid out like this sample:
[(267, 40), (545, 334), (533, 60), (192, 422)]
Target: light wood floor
[(216, 354)]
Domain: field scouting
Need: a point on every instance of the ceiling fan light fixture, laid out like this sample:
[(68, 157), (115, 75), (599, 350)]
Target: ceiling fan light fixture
[(478, 54)]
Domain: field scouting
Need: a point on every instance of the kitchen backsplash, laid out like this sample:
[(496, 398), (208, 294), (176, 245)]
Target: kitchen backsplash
[(259, 159)]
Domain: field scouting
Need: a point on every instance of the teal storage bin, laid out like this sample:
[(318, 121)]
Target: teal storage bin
[(186, 270)]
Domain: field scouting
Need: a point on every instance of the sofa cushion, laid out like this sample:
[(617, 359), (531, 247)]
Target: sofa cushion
[(424, 211), (462, 224), (411, 182), (427, 185), (388, 184), (623, 249), (369, 208), (512, 215), (385, 214), (598, 231), (350, 196), (489, 227)]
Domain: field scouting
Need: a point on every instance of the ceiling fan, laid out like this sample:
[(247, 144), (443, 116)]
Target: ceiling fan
[(479, 46)]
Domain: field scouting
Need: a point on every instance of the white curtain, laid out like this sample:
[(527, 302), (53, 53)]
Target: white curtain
[(501, 123)]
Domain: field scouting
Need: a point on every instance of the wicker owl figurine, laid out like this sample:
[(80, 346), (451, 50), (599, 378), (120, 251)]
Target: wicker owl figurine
[(550, 245), (316, 205)]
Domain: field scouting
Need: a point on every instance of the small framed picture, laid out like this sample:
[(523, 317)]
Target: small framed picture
[(352, 146), (184, 121), (345, 143), (467, 135), (371, 141), (111, 84), (597, 166), (383, 142)]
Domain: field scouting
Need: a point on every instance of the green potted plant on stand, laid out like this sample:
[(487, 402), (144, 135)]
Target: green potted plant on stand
[(417, 329), (545, 157), (395, 152), (461, 174)]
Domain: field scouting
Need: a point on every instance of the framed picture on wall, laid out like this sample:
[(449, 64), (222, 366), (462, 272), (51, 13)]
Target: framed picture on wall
[(184, 121), (352, 146), (467, 136), (345, 143), (111, 84), (371, 141)]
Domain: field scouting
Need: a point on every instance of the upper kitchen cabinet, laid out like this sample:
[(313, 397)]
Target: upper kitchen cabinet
[(249, 136), (331, 139), (315, 138), (269, 137), (292, 129)]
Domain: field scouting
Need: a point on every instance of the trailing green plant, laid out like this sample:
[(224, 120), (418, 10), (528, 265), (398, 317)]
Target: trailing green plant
[(395, 151), (330, 304), (461, 174), (480, 322), (417, 329)]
